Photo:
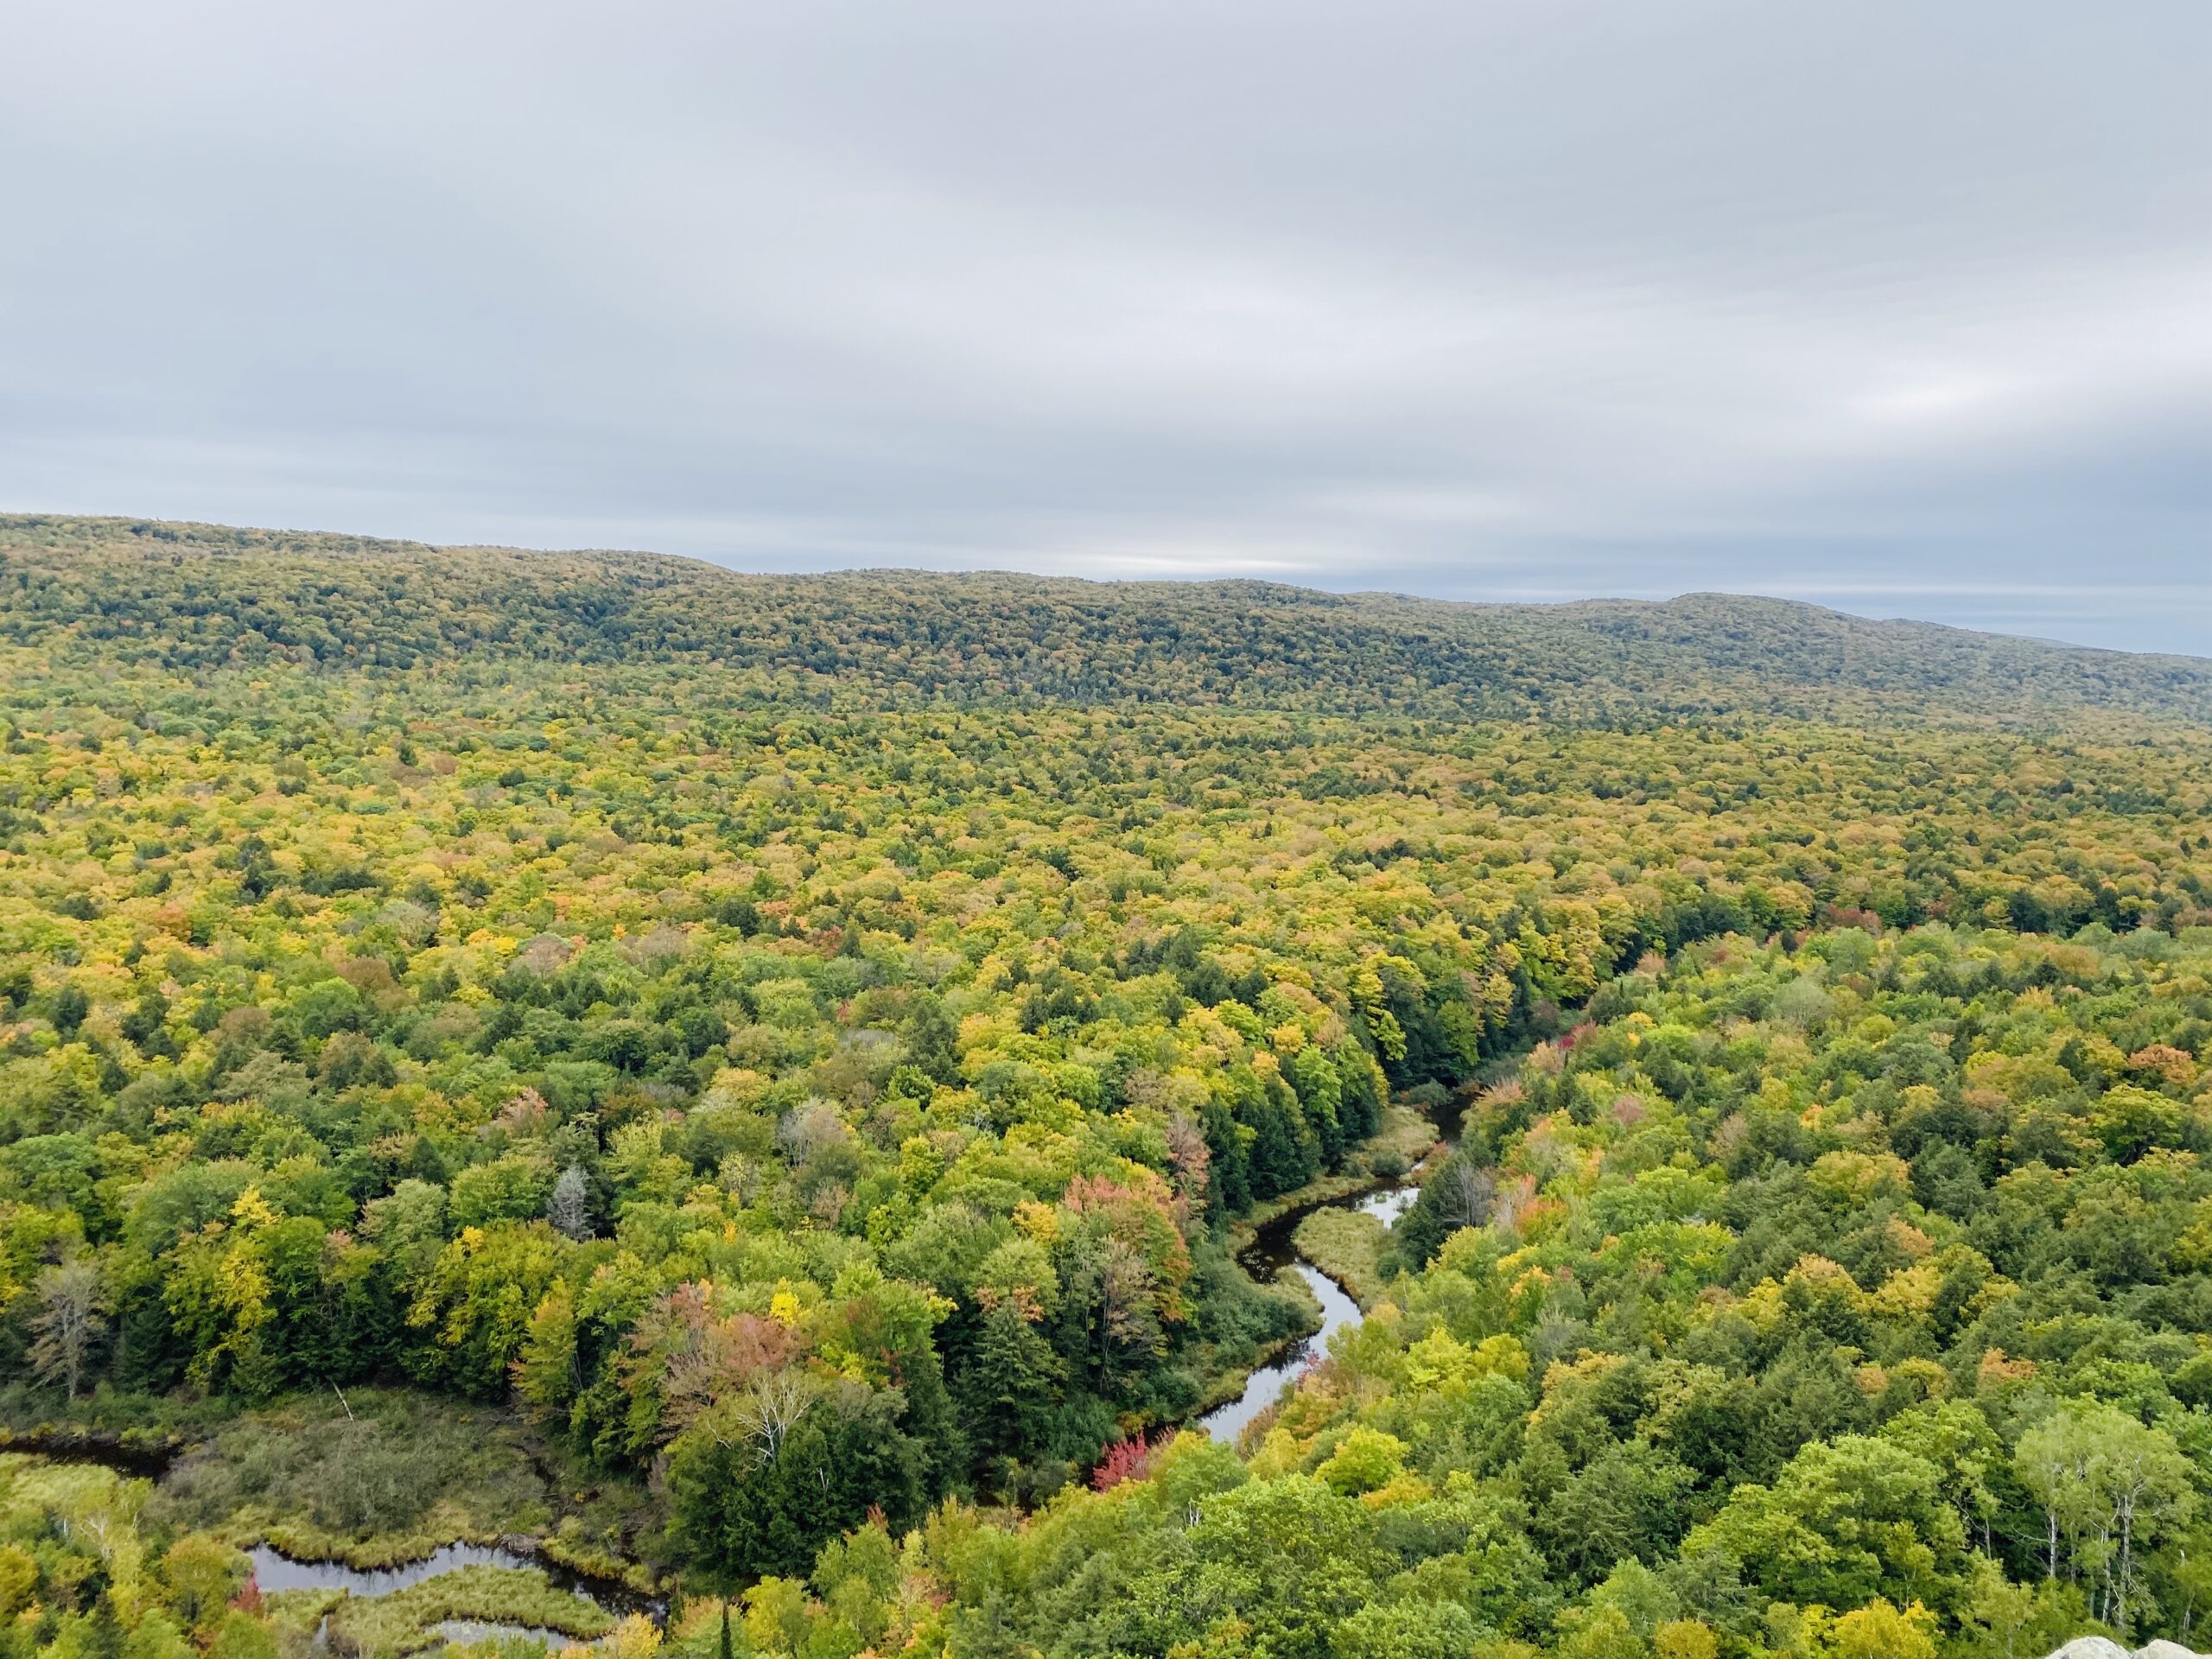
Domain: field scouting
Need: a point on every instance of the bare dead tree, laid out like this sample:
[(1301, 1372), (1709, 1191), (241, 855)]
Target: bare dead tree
[(569, 1208), (1465, 1195), (717, 1360), (67, 1326), (808, 1128), (770, 1406)]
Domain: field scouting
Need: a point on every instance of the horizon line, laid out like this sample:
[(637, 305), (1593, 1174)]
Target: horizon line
[(1523, 601)]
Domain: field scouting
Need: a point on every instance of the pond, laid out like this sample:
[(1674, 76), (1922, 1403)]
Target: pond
[(273, 1571)]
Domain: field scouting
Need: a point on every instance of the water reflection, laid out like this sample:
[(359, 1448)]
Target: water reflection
[(1262, 1388), (274, 1571), (1274, 1252), (1388, 1205)]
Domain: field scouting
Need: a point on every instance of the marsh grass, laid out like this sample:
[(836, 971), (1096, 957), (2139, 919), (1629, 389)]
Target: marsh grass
[(296, 1613), (389, 1481), (405, 1622), (1348, 1247)]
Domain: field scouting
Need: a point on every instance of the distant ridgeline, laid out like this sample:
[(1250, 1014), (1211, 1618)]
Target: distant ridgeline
[(195, 596), (753, 1081)]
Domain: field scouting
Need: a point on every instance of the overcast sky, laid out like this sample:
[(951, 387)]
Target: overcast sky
[(1905, 309)]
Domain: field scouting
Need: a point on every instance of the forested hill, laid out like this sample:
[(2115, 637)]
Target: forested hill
[(553, 1047), (102, 593)]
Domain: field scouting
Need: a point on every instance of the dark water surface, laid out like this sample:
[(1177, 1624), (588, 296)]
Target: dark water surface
[(141, 1458), (1273, 1253), (275, 1571), (272, 1571)]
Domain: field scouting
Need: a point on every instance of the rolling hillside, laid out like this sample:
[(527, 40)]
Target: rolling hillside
[(771, 1094), (112, 591)]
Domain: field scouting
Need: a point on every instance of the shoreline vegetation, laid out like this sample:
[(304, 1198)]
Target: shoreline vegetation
[(1402, 1149), (761, 1085), (1348, 1246), (399, 1621)]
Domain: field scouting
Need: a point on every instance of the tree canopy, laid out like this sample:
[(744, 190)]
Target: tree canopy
[(806, 1046)]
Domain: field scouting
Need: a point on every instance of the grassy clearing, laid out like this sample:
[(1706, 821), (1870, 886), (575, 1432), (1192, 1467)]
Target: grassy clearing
[(1408, 1135), (1348, 1247), (395, 1477)]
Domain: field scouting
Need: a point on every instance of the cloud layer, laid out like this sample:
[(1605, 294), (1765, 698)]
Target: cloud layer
[(1898, 307)]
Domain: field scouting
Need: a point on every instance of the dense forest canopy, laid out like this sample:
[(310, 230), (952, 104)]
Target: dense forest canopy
[(754, 1081), (195, 596)]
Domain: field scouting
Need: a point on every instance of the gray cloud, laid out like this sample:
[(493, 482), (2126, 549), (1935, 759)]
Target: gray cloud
[(1893, 306)]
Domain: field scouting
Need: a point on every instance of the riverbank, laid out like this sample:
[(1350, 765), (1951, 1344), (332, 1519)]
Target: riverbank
[(1325, 1242), (1397, 1152), (145, 1453), (1225, 1384), (1347, 1245), (369, 1480), (1378, 1179), (405, 1619)]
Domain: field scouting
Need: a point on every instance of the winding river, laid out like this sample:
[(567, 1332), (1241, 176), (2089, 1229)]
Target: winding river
[(1273, 1253)]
